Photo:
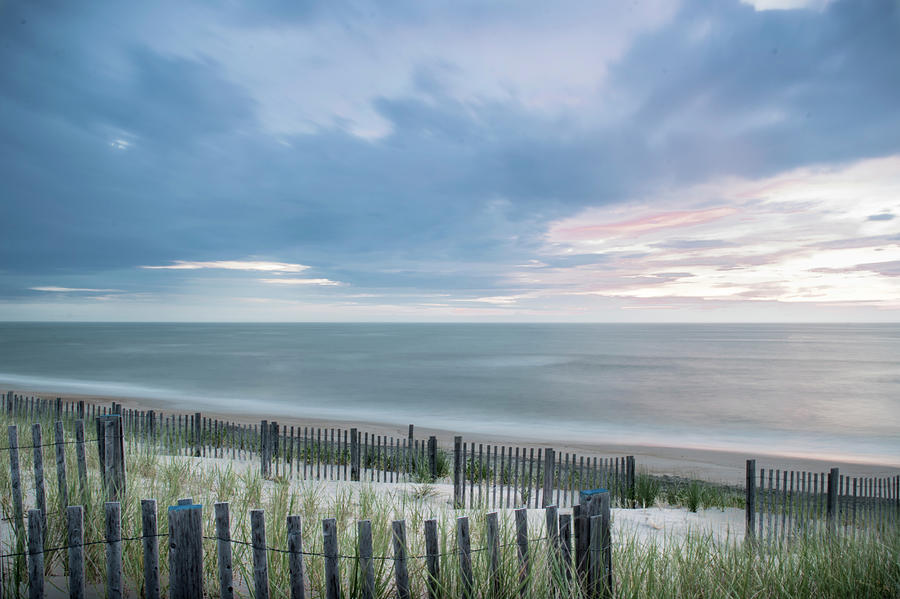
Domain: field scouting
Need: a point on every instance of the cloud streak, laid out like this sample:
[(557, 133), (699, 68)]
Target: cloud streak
[(248, 265)]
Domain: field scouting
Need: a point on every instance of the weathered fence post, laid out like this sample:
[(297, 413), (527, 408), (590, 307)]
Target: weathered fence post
[(458, 474), (366, 565), (62, 485), (595, 575), (223, 550), (493, 547), (410, 455), (750, 507), (630, 481), (150, 542), (332, 566), (115, 457), (40, 496), (15, 477), (466, 578), (354, 454), (198, 434), (432, 559), (551, 517), (111, 451), (295, 556), (260, 557), (522, 550), (432, 457), (606, 540), (35, 554), (75, 538), (265, 460), (565, 544), (832, 502), (549, 468), (114, 588), (185, 551), (81, 458), (401, 572)]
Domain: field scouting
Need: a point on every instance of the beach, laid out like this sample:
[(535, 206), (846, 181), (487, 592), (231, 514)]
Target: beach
[(711, 465)]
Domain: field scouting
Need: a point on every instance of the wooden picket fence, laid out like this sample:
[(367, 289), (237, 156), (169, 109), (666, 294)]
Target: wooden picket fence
[(782, 504), (588, 565), (495, 476), (489, 476)]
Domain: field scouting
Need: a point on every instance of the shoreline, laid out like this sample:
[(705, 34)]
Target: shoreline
[(709, 464)]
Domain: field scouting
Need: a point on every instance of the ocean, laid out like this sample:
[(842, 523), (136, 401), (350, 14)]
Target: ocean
[(829, 390)]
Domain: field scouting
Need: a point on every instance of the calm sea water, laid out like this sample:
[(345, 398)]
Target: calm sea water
[(829, 390)]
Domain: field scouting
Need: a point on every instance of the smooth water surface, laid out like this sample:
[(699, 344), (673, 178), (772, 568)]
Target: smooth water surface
[(829, 390)]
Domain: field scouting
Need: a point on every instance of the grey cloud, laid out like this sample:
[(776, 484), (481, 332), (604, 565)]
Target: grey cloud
[(454, 181), (886, 269), (882, 216)]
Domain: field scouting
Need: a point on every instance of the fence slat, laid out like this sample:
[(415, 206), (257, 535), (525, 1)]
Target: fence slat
[(750, 510), (35, 554), (401, 573), (493, 547), (432, 559), (223, 550), (260, 557), (522, 550), (466, 578), (332, 565), (114, 588), (295, 556), (40, 496), (150, 542), (185, 552), (565, 544), (62, 485), (15, 477), (75, 538), (366, 565), (81, 458), (547, 495)]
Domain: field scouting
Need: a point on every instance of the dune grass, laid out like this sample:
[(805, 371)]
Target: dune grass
[(867, 565)]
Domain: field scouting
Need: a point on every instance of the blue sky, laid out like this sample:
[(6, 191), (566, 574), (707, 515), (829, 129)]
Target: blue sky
[(497, 161)]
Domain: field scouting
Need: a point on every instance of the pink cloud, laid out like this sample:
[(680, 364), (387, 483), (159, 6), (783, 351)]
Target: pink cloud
[(645, 224)]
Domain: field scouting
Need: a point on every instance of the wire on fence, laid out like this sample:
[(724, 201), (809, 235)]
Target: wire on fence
[(53, 444), (85, 544), (268, 548), (382, 558)]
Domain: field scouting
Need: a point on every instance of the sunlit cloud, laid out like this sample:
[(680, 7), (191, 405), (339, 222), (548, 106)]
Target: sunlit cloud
[(252, 265), (53, 289), (804, 236), (323, 282), (645, 224), (760, 5)]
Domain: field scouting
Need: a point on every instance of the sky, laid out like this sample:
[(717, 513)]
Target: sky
[(621, 161)]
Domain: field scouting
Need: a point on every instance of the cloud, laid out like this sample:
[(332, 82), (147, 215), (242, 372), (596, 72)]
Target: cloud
[(651, 222), (422, 148), (787, 4), (73, 289), (801, 236), (321, 282), (882, 216), (252, 265)]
